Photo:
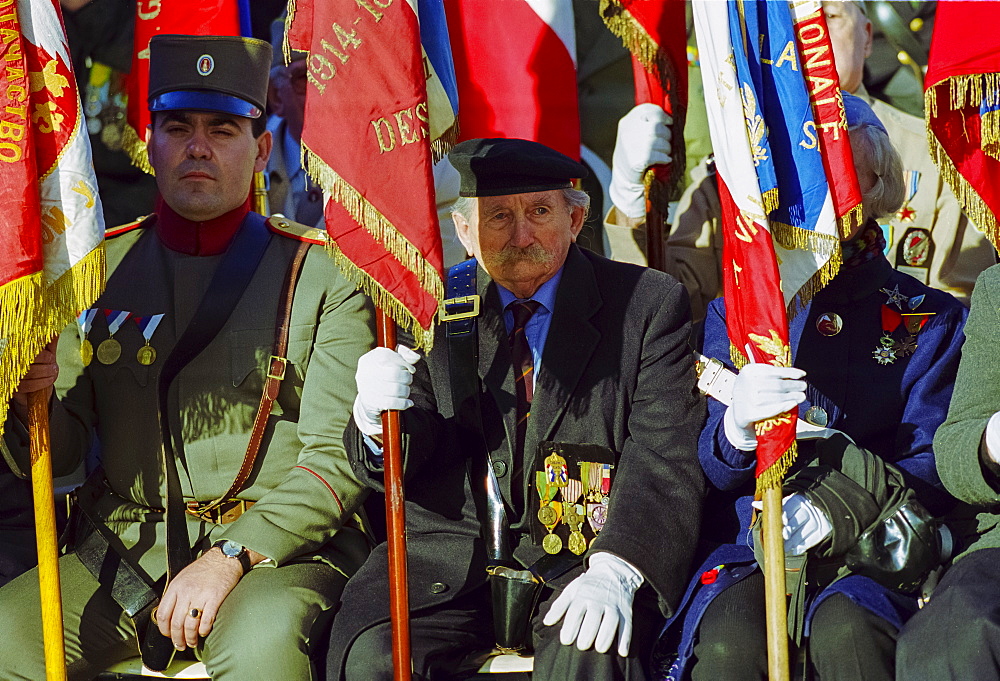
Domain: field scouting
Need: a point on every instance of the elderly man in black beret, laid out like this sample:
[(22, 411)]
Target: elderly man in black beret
[(552, 482)]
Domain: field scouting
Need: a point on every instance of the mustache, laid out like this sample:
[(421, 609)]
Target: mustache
[(534, 254)]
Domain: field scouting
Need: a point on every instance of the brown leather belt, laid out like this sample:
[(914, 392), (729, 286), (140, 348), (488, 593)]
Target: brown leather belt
[(220, 514)]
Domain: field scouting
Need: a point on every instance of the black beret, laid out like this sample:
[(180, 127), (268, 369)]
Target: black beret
[(209, 73), (499, 166)]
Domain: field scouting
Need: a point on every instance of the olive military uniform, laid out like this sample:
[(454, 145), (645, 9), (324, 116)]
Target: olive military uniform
[(302, 484)]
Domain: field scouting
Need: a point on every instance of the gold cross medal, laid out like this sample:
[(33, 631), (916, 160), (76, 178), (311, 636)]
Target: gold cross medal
[(549, 512), (85, 321), (146, 355), (575, 515), (110, 349)]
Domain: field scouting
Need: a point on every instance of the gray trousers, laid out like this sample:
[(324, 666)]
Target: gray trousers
[(262, 630)]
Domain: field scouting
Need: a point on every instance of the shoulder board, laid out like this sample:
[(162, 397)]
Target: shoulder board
[(128, 227), (294, 230)]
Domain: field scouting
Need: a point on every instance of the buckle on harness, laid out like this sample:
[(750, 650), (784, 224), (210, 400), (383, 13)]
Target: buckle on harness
[(460, 301), (283, 363)]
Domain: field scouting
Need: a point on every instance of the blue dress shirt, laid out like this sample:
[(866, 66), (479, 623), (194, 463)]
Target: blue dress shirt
[(537, 328)]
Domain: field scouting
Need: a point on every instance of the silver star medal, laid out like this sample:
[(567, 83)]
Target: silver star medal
[(895, 297)]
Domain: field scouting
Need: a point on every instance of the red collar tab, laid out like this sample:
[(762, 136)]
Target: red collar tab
[(210, 237)]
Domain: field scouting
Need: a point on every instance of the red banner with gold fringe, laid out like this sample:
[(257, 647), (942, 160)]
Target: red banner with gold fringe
[(962, 106), (51, 246), (366, 141)]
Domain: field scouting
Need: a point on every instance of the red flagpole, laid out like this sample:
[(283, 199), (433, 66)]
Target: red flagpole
[(395, 520)]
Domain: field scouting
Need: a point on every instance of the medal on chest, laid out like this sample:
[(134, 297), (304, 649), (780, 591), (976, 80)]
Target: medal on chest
[(146, 355), (549, 511), (85, 321), (906, 213), (110, 349)]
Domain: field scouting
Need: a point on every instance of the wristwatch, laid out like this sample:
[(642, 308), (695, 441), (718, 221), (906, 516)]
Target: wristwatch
[(231, 549)]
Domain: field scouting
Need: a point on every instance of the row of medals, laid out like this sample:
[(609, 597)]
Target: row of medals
[(109, 351), (574, 514), (889, 349)]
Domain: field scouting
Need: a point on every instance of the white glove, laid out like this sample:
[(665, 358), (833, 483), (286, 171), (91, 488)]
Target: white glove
[(383, 377), (761, 391), (993, 438), (805, 525), (596, 604), (643, 140)]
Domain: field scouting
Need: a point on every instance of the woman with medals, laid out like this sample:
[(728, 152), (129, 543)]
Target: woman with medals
[(874, 356)]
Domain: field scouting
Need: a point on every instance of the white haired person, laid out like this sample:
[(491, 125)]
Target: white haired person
[(874, 356)]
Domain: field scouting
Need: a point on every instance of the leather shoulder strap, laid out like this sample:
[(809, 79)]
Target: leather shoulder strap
[(272, 382), (461, 308)]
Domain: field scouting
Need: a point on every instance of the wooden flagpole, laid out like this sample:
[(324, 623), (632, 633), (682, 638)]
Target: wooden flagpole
[(46, 537), (776, 606), (395, 519)]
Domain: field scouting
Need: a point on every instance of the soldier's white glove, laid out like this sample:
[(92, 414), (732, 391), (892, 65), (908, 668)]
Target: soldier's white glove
[(993, 438), (805, 524), (643, 140), (761, 391), (597, 604), (383, 377)]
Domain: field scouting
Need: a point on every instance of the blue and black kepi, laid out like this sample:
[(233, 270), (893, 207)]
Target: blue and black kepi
[(209, 73)]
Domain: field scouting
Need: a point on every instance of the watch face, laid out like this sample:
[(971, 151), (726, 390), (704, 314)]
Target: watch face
[(231, 549)]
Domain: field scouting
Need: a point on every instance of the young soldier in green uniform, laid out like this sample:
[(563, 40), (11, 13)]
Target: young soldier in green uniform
[(274, 554)]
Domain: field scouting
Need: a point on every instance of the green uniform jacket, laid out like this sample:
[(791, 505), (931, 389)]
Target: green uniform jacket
[(975, 399), (302, 482)]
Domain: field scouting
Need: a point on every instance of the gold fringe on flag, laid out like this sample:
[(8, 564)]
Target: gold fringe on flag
[(851, 220), (286, 49), (963, 91), (641, 45), (31, 312), (441, 145), (636, 40), (133, 145), (790, 237), (737, 357), (369, 217), (774, 476), (422, 338), (770, 198)]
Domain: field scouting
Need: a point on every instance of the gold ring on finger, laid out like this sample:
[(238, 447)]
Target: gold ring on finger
[(195, 613)]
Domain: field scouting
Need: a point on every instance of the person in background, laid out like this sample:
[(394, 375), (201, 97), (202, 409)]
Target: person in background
[(927, 237), (963, 608), (874, 355)]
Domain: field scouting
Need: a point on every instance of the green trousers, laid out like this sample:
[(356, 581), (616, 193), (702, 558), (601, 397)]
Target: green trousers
[(262, 630)]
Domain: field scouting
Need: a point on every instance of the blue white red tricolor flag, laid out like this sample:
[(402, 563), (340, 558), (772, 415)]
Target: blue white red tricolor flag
[(380, 106), (516, 66), (772, 117), (51, 244)]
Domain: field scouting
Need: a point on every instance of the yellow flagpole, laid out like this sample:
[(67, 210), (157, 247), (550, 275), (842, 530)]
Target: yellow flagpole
[(776, 605), (46, 537)]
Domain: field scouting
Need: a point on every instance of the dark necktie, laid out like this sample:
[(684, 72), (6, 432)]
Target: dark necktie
[(524, 371)]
